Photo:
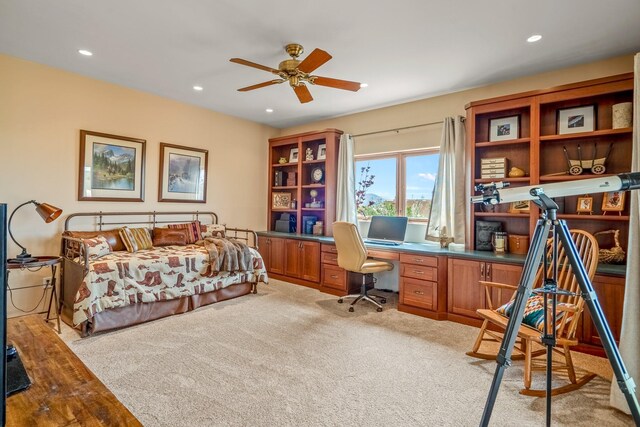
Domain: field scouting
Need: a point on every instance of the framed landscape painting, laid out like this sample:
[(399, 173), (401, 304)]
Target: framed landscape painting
[(111, 168), (183, 174)]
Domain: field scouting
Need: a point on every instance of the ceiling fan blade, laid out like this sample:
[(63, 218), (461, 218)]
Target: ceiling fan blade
[(259, 85), (335, 83), (254, 65), (314, 60), (302, 91)]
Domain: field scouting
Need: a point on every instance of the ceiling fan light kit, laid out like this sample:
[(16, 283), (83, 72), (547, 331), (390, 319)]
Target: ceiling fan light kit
[(297, 73)]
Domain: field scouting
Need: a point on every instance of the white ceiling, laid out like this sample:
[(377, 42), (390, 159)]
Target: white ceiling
[(404, 49)]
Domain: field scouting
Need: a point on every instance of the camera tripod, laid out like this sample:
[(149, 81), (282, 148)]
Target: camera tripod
[(548, 223)]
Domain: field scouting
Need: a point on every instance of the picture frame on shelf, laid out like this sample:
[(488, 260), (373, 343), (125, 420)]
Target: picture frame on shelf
[(111, 168), (293, 155), (613, 201), (504, 128), (576, 119), (322, 152), (584, 205), (183, 174), (280, 200), (521, 207)]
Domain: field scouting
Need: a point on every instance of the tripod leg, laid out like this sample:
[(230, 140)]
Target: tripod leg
[(534, 256), (626, 383)]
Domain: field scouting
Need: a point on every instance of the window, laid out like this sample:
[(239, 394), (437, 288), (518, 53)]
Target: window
[(396, 184)]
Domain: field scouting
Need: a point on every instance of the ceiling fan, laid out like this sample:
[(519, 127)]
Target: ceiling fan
[(297, 73)]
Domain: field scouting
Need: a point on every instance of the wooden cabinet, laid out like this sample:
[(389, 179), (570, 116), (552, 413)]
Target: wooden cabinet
[(272, 251), (303, 187), (334, 278), (422, 286), (465, 295), (302, 260), (610, 292)]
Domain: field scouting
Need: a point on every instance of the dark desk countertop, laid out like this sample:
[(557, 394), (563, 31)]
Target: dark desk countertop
[(429, 249)]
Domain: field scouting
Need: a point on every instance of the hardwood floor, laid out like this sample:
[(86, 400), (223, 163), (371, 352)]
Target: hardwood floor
[(64, 392)]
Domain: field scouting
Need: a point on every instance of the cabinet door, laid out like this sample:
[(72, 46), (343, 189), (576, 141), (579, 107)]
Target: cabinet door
[(264, 250), (276, 255), (465, 294), (292, 257), (610, 293), (310, 260), (502, 273)]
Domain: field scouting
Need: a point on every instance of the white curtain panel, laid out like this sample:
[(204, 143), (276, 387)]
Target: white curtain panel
[(346, 194), (630, 335), (449, 205)]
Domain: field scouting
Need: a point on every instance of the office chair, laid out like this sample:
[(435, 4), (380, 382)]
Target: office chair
[(352, 256)]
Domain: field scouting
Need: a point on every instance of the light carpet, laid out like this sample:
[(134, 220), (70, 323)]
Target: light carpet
[(292, 356)]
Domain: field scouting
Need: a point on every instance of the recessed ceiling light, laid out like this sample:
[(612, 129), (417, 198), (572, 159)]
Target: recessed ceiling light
[(85, 52), (198, 88), (269, 110), (364, 84), (534, 38)]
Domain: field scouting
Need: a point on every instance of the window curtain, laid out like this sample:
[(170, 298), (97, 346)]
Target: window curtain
[(448, 204), (346, 191), (630, 334)]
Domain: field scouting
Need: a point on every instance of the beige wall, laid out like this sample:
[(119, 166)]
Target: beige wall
[(436, 108), (42, 110)]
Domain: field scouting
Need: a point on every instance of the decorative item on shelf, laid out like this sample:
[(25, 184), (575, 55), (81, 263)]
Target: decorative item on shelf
[(585, 205), (521, 207), (317, 175), (622, 115), (286, 223), (293, 155), (445, 240), (294, 204), (281, 200), (518, 244), (322, 151), (516, 172), (314, 203), (291, 179), (484, 229), (308, 154), (499, 242), (504, 128), (613, 201), (495, 167), (317, 228), (282, 160), (308, 219), (595, 165), (279, 178), (575, 120), (47, 212), (614, 254)]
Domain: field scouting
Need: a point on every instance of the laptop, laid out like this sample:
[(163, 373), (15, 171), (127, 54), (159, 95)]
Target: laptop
[(387, 230)]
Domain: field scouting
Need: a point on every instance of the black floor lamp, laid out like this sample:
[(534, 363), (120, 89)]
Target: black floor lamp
[(48, 213)]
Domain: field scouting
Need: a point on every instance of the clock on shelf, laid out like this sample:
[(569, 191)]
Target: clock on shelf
[(317, 175)]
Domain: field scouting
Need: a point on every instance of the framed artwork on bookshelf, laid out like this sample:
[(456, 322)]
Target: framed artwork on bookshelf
[(281, 200), (585, 205), (293, 155), (523, 207), (578, 119), (504, 128), (613, 201), (322, 152)]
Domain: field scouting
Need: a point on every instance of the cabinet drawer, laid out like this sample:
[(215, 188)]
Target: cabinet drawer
[(329, 248), (419, 272), (334, 277), (330, 258), (419, 293), (430, 261), (382, 254)]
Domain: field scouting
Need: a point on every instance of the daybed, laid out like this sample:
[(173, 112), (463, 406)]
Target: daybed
[(120, 288)]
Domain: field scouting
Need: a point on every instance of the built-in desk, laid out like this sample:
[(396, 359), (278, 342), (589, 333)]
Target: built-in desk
[(433, 282)]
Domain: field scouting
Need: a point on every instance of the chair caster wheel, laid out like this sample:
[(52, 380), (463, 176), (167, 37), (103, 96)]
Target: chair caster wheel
[(383, 301), (379, 309), (340, 301), (351, 309)]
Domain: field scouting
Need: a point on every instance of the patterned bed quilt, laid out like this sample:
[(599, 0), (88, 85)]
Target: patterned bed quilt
[(163, 273)]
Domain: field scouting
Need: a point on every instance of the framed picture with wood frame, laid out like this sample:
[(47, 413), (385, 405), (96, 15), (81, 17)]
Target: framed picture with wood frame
[(613, 201), (111, 168), (585, 205), (521, 207), (504, 128), (183, 174)]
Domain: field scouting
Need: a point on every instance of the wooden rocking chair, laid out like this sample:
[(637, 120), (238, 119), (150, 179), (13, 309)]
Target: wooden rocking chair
[(568, 311)]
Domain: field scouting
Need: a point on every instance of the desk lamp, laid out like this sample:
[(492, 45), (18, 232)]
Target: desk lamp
[(48, 213)]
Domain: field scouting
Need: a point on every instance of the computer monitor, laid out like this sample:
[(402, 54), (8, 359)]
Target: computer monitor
[(387, 229)]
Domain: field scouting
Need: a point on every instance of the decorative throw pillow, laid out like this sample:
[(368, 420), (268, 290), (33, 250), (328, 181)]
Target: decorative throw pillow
[(193, 230), (169, 237), (213, 230), (136, 239), (534, 312), (97, 247)]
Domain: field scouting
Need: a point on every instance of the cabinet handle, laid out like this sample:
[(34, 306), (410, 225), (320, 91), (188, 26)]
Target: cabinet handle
[(482, 271), (418, 271), (333, 276), (418, 292), (488, 271), (417, 259)]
